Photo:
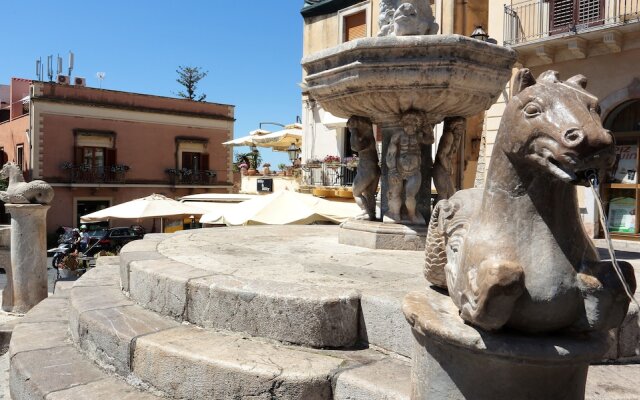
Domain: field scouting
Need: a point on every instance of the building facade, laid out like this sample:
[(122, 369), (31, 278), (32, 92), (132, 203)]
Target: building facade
[(596, 38), (328, 23), (99, 147), (599, 39)]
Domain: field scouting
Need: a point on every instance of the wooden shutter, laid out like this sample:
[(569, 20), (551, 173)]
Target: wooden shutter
[(567, 14), (77, 155), (109, 157), (204, 162), (355, 26), (187, 160)]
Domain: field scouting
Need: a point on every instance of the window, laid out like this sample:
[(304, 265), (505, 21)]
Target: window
[(195, 161), (621, 194), (95, 157), (355, 26), (570, 14), (20, 156), (353, 22)]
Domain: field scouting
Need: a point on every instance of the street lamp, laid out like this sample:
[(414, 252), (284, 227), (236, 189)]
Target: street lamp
[(479, 34), (293, 152)]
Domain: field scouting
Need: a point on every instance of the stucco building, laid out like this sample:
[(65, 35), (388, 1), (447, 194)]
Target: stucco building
[(101, 147), (328, 23), (597, 38)]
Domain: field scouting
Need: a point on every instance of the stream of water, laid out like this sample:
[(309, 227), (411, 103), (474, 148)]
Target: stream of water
[(593, 184)]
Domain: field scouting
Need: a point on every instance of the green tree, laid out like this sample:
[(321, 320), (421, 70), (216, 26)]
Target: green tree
[(189, 78)]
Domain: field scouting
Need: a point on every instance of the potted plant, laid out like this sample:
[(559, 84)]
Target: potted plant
[(314, 163), (243, 167), (266, 169), (332, 161), (68, 267), (351, 162), (282, 167)]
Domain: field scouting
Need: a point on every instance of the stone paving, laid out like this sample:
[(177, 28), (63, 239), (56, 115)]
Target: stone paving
[(193, 271)]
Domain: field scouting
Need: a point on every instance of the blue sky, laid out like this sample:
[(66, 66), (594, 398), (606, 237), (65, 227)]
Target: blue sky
[(252, 49)]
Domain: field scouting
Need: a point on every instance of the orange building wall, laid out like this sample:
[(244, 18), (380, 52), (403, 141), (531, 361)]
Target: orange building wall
[(134, 101), (149, 149), (13, 133)]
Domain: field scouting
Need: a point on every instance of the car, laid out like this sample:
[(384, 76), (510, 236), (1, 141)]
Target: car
[(114, 239)]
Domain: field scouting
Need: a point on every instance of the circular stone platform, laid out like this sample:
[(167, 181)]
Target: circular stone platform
[(295, 284)]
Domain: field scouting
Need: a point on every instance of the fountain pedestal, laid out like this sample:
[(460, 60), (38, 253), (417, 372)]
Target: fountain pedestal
[(453, 360), (27, 274)]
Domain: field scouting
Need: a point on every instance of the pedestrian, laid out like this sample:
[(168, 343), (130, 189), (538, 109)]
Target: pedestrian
[(84, 238)]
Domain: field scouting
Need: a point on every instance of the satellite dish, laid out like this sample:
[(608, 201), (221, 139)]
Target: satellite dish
[(101, 76)]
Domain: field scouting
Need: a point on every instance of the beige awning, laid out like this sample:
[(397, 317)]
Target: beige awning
[(286, 207)]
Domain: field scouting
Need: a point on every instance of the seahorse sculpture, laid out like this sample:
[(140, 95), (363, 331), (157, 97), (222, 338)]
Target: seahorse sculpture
[(365, 184), (515, 254), (21, 192)]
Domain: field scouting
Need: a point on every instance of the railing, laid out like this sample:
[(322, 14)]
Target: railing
[(531, 20), (324, 174), (191, 177), (87, 174)]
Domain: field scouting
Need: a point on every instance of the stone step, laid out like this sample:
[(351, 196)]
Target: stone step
[(294, 291), (185, 361), (45, 364)]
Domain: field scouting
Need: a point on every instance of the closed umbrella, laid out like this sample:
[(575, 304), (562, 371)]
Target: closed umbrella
[(285, 207)]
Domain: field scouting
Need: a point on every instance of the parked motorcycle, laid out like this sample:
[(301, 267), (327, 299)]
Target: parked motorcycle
[(65, 242)]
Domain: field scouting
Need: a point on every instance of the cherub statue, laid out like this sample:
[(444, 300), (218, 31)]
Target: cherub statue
[(403, 161), (454, 129), (365, 183)]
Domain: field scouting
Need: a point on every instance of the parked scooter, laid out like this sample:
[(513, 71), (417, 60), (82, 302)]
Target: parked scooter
[(65, 242)]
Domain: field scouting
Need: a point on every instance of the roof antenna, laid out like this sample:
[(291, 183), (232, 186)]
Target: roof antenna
[(59, 69), (101, 76), (50, 67), (70, 63), (39, 68)]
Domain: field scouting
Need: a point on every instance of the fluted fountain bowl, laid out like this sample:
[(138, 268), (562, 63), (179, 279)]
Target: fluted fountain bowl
[(382, 77)]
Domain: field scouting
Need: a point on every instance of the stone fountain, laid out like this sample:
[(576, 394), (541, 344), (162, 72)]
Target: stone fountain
[(406, 82), (287, 312)]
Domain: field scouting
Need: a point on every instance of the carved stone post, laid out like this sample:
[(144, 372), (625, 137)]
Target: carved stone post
[(454, 360), (27, 274)]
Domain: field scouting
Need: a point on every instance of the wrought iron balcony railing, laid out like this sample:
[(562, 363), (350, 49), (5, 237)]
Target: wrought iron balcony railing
[(191, 177), (532, 20), (328, 174), (87, 174)]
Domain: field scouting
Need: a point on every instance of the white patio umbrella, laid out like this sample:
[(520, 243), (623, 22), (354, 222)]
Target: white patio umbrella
[(286, 207), (153, 206), (282, 139), (247, 140)]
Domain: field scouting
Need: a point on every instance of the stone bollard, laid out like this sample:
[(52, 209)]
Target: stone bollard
[(27, 274), (456, 361)]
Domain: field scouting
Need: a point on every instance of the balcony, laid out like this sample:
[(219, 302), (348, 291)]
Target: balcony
[(328, 174), (187, 176), (87, 174), (537, 21)]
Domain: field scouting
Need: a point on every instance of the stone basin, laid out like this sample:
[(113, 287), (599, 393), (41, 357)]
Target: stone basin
[(382, 77)]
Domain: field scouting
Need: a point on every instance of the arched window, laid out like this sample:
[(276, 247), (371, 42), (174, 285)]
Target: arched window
[(625, 117), (622, 191)]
